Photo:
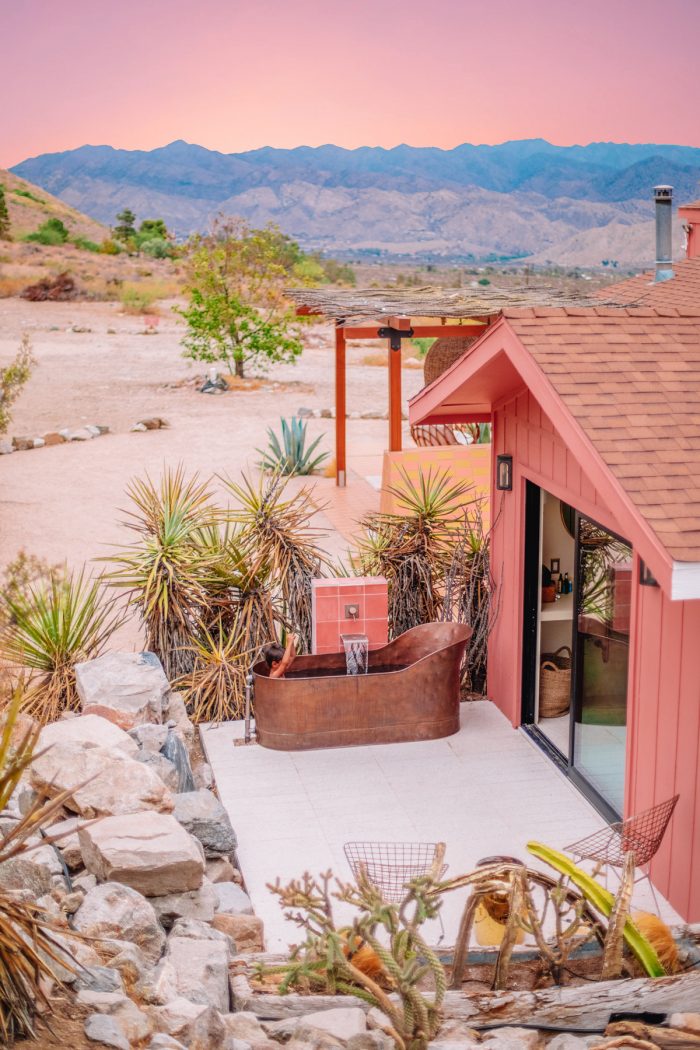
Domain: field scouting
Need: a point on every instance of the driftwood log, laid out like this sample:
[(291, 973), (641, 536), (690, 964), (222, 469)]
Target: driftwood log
[(664, 1038), (577, 1006)]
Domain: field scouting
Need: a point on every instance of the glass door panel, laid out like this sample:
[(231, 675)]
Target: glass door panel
[(603, 597)]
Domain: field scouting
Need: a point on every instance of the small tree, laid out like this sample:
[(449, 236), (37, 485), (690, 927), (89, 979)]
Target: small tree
[(237, 312), (12, 379), (125, 231), (5, 234)]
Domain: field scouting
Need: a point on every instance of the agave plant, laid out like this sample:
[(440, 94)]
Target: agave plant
[(277, 535), (29, 951), (413, 549), (166, 572), (52, 628), (290, 455)]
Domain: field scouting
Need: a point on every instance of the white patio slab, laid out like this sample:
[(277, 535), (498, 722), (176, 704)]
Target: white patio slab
[(486, 790)]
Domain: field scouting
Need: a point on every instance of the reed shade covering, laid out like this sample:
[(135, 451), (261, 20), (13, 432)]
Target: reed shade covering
[(555, 683), (442, 354), (373, 304)]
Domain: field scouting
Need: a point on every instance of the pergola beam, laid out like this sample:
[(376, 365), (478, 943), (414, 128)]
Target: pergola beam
[(345, 332)]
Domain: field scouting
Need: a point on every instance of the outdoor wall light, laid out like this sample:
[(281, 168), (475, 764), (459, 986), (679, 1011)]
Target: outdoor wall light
[(504, 473)]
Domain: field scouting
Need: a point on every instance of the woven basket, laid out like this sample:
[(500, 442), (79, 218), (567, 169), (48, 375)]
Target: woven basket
[(442, 354), (561, 658), (555, 690)]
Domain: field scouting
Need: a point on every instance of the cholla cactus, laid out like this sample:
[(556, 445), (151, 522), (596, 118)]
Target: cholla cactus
[(357, 960)]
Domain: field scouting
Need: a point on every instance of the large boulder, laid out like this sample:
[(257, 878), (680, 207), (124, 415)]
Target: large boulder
[(201, 970), (246, 931), (65, 836), (100, 1028), (162, 767), (135, 1025), (196, 904), (90, 729), (205, 818), (34, 873), (341, 1023), (105, 780), (232, 898), (196, 1026), (115, 911), (130, 688), (150, 852)]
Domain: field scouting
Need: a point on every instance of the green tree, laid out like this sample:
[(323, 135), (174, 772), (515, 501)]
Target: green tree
[(237, 312), (5, 234), (151, 228), (125, 231)]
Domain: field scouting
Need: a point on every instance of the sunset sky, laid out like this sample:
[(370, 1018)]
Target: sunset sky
[(237, 74)]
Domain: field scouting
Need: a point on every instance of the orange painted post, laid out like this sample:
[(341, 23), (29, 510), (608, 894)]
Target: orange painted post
[(394, 400), (340, 411)]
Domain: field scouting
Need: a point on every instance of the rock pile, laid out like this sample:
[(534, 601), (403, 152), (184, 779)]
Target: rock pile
[(140, 868)]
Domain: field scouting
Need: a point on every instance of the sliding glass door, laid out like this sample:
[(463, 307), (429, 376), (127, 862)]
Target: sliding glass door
[(603, 590), (576, 645)]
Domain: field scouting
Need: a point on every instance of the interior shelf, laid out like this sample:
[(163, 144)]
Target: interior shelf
[(562, 609)]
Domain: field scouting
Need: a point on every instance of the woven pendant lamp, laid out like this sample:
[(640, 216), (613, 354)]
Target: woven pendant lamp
[(442, 354)]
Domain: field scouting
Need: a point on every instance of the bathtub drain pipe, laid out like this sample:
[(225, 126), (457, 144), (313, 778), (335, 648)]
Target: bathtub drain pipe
[(248, 701)]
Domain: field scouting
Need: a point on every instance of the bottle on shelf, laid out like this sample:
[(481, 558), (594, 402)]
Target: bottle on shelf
[(567, 586)]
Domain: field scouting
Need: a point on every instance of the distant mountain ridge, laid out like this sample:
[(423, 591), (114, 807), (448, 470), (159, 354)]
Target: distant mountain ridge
[(519, 199)]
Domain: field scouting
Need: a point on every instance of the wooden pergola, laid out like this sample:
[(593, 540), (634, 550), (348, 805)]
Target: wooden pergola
[(387, 314)]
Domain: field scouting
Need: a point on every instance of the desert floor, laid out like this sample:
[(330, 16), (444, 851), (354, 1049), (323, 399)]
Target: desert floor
[(95, 365)]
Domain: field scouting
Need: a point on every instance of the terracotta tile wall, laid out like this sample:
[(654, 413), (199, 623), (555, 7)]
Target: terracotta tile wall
[(329, 599)]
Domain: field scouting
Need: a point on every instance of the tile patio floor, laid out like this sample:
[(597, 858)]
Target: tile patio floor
[(485, 790)]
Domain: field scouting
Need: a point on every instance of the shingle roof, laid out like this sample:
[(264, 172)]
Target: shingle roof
[(682, 290), (631, 379)]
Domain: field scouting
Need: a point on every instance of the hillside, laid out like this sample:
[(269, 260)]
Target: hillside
[(526, 199), (30, 206)]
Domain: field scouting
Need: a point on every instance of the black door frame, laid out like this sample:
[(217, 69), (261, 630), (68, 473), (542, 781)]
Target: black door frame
[(531, 606)]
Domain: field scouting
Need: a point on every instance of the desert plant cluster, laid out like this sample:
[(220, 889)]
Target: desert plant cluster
[(212, 583)]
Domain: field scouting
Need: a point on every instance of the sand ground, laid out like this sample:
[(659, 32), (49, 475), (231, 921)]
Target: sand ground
[(63, 503)]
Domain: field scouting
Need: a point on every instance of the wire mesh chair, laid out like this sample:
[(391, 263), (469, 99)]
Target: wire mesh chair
[(641, 835), (390, 865)]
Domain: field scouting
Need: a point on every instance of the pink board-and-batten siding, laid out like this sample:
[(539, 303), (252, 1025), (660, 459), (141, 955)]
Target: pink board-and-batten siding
[(663, 703)]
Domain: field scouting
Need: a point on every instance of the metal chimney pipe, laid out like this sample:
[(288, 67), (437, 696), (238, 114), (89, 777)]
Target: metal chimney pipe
[(663, 196)]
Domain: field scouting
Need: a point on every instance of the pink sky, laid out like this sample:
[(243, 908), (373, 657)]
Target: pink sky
[(237, 74)]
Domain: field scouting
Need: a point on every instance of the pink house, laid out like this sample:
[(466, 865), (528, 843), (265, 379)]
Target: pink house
[(596, 480)]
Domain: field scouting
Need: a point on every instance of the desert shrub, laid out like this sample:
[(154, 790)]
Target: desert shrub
[(137, 298), (29, 952), (10, 286), (85, 244), (29, 195), (157, 248), (484, 281), (52, 232), (12, 379), (5, 234), (110, 247), (24, 571), (53, 626)]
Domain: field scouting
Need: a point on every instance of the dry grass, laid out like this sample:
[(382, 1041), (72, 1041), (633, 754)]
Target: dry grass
[(12, 285), (378, 358), (139, 297)]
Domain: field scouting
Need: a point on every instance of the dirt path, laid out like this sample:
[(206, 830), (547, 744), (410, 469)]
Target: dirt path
[(63, 502)]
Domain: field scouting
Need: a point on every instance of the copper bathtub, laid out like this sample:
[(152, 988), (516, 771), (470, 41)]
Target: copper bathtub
[(410, 692)]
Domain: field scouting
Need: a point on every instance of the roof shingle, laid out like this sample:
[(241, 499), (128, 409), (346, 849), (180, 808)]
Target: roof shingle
[(649, 361)]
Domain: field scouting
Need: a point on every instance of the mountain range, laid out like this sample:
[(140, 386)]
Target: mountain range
[(527, 199)]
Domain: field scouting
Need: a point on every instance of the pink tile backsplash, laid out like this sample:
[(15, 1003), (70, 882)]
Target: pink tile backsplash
[(329, 598)]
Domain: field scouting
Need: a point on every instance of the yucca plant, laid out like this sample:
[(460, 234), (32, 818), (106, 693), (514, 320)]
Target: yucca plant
[(52, 628), (471, 594), (290, 454), (165, 572), (277, 535), (413, 549), (215, 688), (28, 947)]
